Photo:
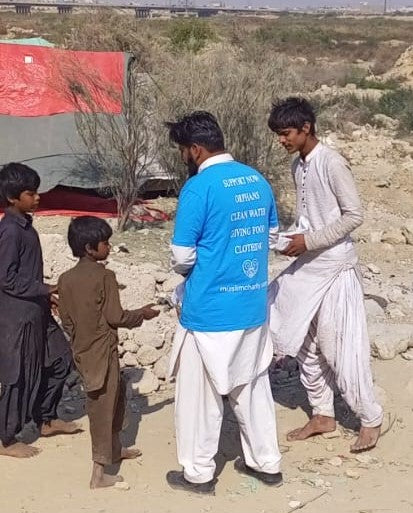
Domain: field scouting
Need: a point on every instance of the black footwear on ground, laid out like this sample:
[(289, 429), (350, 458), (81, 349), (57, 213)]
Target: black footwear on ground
[(264, 477), (177, 481)]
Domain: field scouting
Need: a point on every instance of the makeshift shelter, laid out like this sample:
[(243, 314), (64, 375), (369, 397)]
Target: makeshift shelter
[(37, 112)]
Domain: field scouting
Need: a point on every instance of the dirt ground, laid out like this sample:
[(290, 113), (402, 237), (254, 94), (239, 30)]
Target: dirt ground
[(57, 480)]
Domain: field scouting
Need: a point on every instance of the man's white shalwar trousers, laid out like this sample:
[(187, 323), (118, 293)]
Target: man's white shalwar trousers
[(199, 404), (326, 330)]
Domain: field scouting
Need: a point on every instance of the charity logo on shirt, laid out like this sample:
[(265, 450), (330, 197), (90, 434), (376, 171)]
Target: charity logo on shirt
[(226, 212)]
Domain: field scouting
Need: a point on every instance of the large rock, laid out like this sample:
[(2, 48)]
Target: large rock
[(389, 340), (393, 236), (129, 360), (407, 230), (148, 355), (161, 367), (147, 383), (144, 337), (130, 347), (373, 309)]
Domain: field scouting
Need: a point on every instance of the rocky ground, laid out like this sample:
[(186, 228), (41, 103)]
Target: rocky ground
[(320, 474)]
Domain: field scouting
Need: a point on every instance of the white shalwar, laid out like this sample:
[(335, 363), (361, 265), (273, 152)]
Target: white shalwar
[(209, 365), (316, 306)]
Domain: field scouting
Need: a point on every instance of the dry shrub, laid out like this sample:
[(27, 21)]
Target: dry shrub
[(238, 93)]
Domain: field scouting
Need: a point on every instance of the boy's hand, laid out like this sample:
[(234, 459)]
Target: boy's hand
[(149, 313), (297, 245), (54, 304), (52, 289)]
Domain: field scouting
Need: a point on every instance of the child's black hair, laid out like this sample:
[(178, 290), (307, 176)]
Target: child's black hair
[(293, 112), (16, 178), (199, 127), (87, 230)]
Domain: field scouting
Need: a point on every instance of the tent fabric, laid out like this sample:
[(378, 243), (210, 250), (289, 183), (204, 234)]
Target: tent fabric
[(37, 81), (38, 125), (72, 203), (50, 144), (29, 41)]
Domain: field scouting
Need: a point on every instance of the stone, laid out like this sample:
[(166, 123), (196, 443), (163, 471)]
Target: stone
[(352, 473), (161, 367), (365, 459), (394, 312), (161, 277), (373, 309), (171, 283), (147, 384), (335, 462), (389, 340), (330, 448), (129, 360), (130, 347), (407, 231), (122, 486), (147, 355), (374, 268), (143, 337), (383, 121), (123, 335), (121, 350), (393, 236), (408, 355), (294, 504), (383, 183), (395, 294)]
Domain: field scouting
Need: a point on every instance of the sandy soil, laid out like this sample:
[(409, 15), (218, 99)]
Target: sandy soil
[(57, 480)]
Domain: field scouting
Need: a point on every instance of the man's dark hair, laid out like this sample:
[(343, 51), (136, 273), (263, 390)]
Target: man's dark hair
[(293, 112), (16, 178), (199, 127), (87, 230)]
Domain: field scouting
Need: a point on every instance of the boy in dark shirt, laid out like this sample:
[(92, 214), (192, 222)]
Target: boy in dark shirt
[(91, 313), (34, 355)]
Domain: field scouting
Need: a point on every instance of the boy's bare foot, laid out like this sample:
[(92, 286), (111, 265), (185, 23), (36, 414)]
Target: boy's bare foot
[(19, 450), (366, 440), (59, 427), (104, 481), (130, 454), (101, 480), (317, 425)]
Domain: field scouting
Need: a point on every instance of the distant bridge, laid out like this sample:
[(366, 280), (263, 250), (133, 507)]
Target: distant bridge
[(141, 11)]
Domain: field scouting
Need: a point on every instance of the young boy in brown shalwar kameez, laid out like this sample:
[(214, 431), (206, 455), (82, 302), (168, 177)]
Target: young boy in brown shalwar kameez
[(91, 312)]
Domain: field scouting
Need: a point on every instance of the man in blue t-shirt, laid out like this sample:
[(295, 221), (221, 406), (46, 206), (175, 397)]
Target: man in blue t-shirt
[(225, 214)]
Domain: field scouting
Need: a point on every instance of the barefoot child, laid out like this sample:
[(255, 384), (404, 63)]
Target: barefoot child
[(34, 355), (316, 304), (91, 312)]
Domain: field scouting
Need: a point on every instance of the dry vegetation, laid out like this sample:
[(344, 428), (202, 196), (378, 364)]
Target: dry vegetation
[(235, 67)]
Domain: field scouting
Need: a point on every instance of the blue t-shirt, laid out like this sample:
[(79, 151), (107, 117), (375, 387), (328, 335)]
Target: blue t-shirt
[(226, 212)]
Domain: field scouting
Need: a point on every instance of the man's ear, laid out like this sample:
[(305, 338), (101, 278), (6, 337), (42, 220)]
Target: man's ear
[(306, 128), (195, 151), (88, 249)]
